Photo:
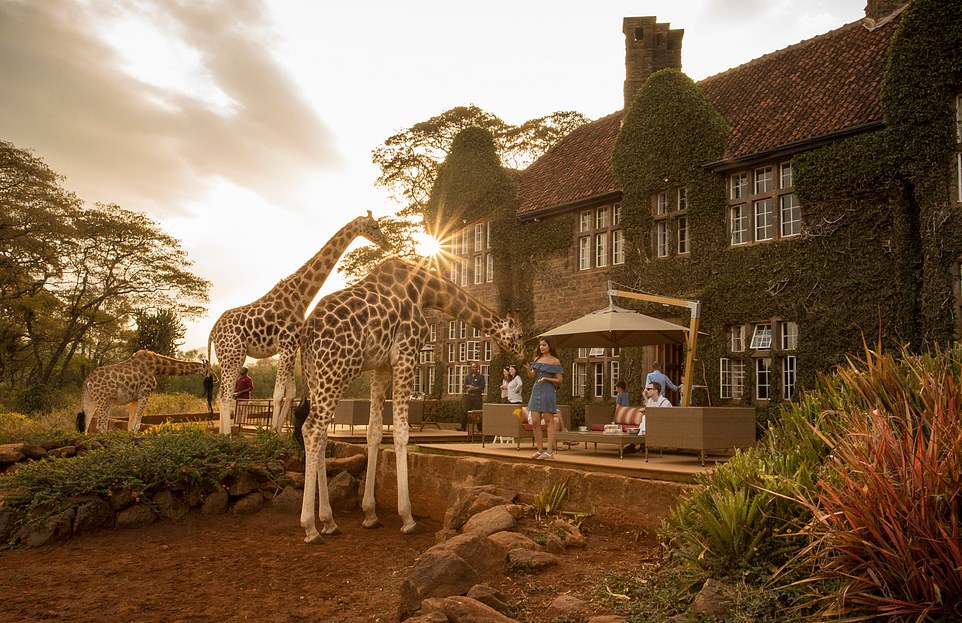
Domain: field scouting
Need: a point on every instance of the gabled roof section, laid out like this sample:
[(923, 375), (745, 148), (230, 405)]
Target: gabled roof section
[(816, 88)]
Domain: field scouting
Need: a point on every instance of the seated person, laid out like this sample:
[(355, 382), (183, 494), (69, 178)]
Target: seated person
[(654, 397)]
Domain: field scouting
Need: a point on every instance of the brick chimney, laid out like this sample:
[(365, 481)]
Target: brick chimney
[(877, 10), (649, 46)]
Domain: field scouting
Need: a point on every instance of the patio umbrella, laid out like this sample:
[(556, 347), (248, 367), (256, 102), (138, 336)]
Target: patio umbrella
[(616, 326)]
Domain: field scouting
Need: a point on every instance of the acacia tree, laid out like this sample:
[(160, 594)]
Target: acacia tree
[(72, 277), (409, 162)]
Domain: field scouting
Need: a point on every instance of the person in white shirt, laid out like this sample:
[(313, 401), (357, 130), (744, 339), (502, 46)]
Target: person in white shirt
[(653, 395), (514, 385)]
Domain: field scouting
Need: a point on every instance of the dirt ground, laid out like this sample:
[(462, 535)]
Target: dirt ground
[(257, 568)]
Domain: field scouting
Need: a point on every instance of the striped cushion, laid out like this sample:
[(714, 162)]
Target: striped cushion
[(629, 416)]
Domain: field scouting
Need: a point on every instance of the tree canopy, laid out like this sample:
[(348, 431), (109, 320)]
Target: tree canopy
[(72, 277)]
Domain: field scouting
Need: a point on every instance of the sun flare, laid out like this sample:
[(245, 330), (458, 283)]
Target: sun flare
[(426, 245)]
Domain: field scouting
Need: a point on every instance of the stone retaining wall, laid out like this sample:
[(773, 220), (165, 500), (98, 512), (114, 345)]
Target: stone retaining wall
[(613, 499)]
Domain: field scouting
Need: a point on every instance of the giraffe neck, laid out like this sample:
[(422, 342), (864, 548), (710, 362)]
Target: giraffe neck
[(439, 293), (168, 366), (301, 286)]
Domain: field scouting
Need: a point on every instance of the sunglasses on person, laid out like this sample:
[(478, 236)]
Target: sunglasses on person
[(649, 389)]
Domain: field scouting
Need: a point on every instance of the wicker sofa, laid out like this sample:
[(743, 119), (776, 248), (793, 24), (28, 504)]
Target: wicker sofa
[(699, 428), (500, 420), (356, 412), (597, 415)]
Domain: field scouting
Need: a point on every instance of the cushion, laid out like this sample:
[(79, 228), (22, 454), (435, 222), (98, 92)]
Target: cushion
[(629, 416)]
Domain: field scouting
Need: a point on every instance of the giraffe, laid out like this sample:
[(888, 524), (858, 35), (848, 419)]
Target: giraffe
[(129, 381), (378, 325), (270, 324)]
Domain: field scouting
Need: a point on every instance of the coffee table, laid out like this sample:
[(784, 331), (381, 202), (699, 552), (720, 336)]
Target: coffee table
[(598, 437)]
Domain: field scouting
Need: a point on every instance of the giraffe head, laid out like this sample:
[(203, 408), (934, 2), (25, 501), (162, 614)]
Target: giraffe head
[(368, 227), (507, 332)]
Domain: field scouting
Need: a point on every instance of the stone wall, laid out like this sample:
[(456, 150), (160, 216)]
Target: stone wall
[(613, 499)]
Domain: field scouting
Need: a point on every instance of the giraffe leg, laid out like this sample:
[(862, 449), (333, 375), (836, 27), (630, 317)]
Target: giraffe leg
[(139, 415), (283, 387), (103, 415), (315, 483), (230, 365), (403, 376), (379, 381)]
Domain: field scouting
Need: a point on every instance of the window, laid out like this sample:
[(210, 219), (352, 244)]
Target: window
[(462, 330), (617, 247), (789, 373), (598, 374), (682, 224), (596, 351), (661, 238), (475, 332), (789, 335), (739, 224), (739, 186), (763, 379), (732, 382), (464, 241), (432, 333), (790, 216), (473, 351), (426, 355), (616, 215), (601, 218), (661, 204), (578, 378), (463, 351), (464, 274), (601, 250), (478, 237), (489, 269), (763, 180), (454, 379), (584, 253), (614, 369), (786, 176), (478, 269), (486, 350), (452, 329), (487, 238), (452, 352), (738, 338), (585, 221), (775, 212), (762, 337), (682, 199), (764, 220)]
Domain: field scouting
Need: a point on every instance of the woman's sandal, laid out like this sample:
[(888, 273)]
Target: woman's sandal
[(537, 455), (547, 456)]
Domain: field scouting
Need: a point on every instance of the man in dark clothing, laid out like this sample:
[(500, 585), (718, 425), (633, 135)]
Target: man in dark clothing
[(473, 389), (243, 386)]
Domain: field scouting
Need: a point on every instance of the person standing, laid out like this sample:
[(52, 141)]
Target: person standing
[(473, 388), (657, 376), (547, 372), (514, 385), (621, 394), (243, 386), (653, 396), (505, 377)]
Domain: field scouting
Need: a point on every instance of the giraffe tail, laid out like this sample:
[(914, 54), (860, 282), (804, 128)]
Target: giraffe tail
[(81, 422)]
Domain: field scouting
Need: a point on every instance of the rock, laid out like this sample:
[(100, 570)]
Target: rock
[(170, 506), (62, 451), (11, 453), (275, 468), (490, 597), (607, 618), (457, 511), (554, 544), (193, 497), (33, 452), (92, 516), (527, 560), (249, 504), (136, 516), (215, 503), (342, 491), (353, 465), (465, 610), (485, 556), (53, 529), (241, 484), (571, 535), (296, 478), (438, 572), (490, 521), (711, 600), (9, 521), (121, 498), (430, 617), (514, 540), (289, 500), (569, 608), (486, 500)]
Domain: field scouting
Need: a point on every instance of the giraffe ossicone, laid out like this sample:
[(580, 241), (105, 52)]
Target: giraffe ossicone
[(270, 325), (130, 381), (378, 325)]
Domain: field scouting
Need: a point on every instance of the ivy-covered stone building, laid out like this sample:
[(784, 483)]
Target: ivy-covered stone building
[(810, 200)]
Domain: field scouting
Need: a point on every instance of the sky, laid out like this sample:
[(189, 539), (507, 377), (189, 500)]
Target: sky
[(245, 127)]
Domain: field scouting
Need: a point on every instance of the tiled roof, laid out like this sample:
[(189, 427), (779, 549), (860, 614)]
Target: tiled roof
[(814, 88)]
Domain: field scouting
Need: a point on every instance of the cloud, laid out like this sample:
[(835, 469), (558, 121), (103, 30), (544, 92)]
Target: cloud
[(76, 101)]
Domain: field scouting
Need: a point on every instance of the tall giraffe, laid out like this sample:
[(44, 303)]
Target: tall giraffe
[(377, 324), (270, 324), (130, 381)]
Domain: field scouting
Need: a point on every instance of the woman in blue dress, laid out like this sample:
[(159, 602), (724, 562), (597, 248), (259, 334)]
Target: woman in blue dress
[(547, 373)]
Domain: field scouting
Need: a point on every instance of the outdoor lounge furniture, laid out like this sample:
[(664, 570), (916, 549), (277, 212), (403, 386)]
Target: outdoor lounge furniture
[(500, 420), (357, 412), (699, 428), (596, 416)]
